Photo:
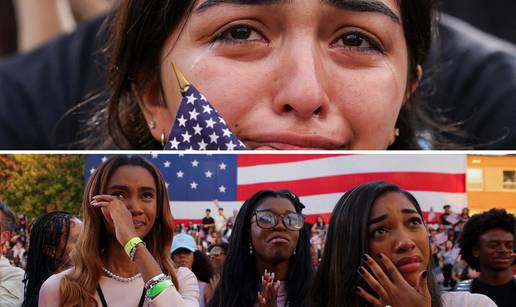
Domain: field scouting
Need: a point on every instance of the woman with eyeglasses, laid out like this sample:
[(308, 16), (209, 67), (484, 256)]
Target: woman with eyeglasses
[(268, 261), (377, 254)]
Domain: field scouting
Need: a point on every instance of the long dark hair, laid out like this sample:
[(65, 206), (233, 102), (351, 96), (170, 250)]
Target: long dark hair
[(239, 282), (48, 240), (337, 276), (139, 30), (202, 267)]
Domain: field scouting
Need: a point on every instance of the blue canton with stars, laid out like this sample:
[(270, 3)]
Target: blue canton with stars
[(189, 177), (198, 126)]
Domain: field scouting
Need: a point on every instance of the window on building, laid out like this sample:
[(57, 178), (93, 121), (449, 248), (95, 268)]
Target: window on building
[(474, 179), (509, 180)]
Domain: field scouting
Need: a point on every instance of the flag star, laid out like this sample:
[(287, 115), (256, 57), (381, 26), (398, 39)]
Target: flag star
[(222, 189), (190, 148), (92, 170), (154, 155), (241, 143), (207, 109), (195, 163), (181, 155), (104, 159), (210, 122), (193, 114), (230, 145), (182, 121), (222, 121), (166, 184), (180, 174), (222, 166), (186, 137), (203, 98), (166, 164), (197, 129), (213, 137), (191, 99), (174, 143), (208, 174), (226, 132), (202, 145), (193, 185)]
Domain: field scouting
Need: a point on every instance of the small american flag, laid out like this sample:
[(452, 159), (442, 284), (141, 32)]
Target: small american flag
[(198, 126)]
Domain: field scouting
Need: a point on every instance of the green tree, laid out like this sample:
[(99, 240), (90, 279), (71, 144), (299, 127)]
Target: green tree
[(44, 183)]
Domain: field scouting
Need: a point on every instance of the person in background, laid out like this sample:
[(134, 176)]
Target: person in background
[(487, 245), (220, 221), (52, 241), (185, 254), (208, 223), (218, 254), (11, 278)]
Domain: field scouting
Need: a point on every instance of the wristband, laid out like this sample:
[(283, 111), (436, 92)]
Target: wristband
[(158, 288), (154, 280), (131, 244)]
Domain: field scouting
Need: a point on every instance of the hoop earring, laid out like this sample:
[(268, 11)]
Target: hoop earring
[(162, 139)]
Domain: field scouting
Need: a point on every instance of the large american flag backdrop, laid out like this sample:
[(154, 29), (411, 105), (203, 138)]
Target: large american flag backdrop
[(194, 181)]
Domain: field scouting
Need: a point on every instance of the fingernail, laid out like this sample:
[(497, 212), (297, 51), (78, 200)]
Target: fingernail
[(425, 273), (379, 255), (361, 270), (358, 289), (364, 257)]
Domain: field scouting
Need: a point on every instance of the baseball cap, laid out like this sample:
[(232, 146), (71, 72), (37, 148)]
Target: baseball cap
[(183, 240)]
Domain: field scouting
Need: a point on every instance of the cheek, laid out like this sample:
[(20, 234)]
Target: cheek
[(369, 100)]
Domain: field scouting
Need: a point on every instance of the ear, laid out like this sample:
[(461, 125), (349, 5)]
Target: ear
[(151, 101), (412, 87)]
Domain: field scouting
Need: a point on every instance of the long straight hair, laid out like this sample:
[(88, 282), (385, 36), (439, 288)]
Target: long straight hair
[(337, 276), (239, 282), (77, 288)]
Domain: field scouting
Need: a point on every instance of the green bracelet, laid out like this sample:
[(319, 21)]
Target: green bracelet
[(158, 288), (128, 247)]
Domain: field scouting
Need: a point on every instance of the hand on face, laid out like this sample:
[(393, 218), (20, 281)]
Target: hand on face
[(116, 213), (390, 286), (267, 297)]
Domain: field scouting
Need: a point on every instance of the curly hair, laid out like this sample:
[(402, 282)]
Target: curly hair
[(477, 225)]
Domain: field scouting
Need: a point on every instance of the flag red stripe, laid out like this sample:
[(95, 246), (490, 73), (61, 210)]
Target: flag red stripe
[(253, 160), (412, 181), (309, 218)]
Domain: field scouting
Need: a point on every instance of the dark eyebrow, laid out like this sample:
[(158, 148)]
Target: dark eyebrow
[(377, 219), (384, 216), (409, 211), (123, 187), (374, 6), (209, 3)]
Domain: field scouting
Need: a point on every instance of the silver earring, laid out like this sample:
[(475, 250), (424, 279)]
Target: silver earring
[(152, 124), (162, 139), (294, 252), (251, 248), (397, 132)]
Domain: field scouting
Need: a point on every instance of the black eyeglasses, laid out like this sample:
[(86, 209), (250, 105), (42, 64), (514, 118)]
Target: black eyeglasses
[(267, 219)]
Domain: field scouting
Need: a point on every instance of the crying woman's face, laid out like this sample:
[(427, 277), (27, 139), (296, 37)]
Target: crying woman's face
[(298, 74)]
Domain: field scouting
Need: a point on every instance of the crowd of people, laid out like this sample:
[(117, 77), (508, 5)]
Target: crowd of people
[(375, 247)]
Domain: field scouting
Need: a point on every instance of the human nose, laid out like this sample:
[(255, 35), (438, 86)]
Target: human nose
[(301, 83), (404, 242), (280, 223), (133, 205)]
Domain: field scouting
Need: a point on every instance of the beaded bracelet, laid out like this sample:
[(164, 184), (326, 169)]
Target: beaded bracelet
[(158, 288), (154, 280)]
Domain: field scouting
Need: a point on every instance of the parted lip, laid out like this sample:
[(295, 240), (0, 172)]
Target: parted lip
[(138, 222), (407, 260), (292, 141)]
